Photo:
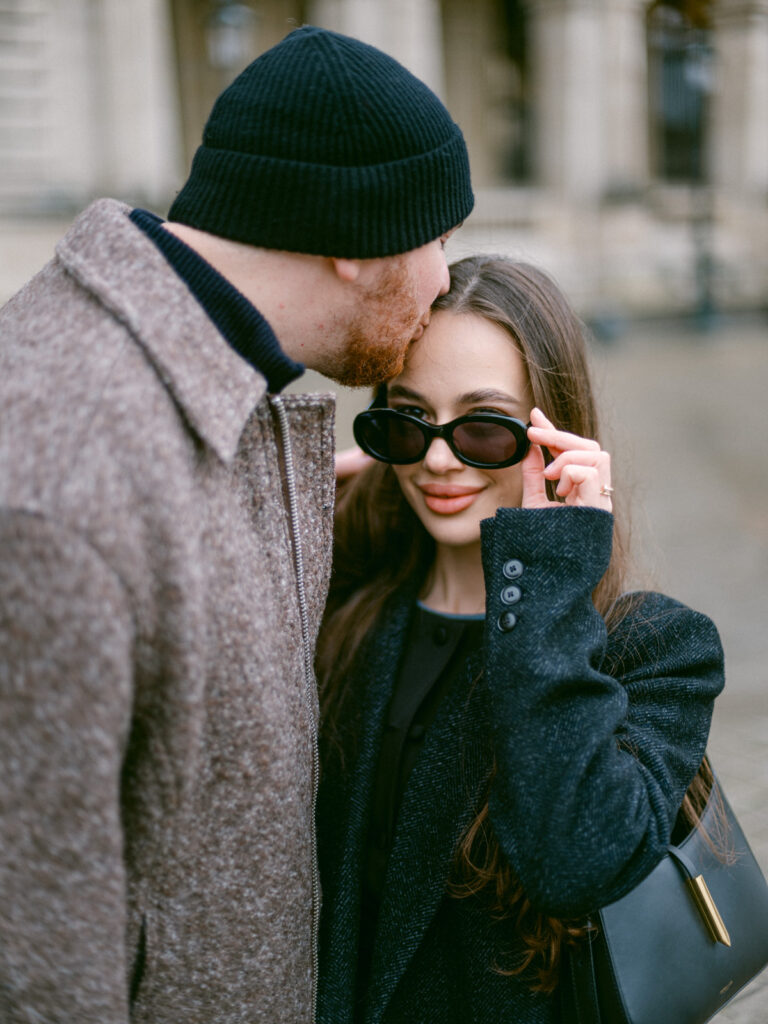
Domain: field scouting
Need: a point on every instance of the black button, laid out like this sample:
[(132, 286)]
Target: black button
[(507, 621), (511, 594), (382, 839), (440, 635), (513, 568), (416, 732)]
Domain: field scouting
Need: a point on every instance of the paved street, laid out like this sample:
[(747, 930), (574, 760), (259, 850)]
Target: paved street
[(690, 429)]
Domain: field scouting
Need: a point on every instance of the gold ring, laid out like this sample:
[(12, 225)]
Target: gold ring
[(606, 491)]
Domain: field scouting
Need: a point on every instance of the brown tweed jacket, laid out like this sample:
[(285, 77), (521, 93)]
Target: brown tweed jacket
[(157, 713)]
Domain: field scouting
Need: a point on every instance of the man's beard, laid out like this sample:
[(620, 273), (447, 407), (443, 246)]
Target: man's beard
[(378, 338)]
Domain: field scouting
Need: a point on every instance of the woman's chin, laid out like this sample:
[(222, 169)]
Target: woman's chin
[(453, 531)]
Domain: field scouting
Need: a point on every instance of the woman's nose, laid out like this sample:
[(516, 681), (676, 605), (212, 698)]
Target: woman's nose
[(440, 458)]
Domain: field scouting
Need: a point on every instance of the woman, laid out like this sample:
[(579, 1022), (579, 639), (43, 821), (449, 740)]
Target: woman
[(507, 737)]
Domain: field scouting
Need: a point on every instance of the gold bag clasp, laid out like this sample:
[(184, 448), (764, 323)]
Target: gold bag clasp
[(708, 909)]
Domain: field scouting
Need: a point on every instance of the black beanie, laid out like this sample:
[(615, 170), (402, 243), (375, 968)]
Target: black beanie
[(325, 145)]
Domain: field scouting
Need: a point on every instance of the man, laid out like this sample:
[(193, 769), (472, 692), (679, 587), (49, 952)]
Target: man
[(165, 525)]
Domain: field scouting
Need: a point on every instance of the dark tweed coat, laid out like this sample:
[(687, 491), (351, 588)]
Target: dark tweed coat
[(156, 723), (580, 819)]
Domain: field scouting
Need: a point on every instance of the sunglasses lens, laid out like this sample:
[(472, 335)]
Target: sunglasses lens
[(388, 437), (486, 443), (391, 436)]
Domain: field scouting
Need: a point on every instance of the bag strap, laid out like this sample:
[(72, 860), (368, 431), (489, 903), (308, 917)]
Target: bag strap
[(580, 1003), (683, 861)]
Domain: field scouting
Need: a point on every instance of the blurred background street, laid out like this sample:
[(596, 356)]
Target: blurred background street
[(621, 143)]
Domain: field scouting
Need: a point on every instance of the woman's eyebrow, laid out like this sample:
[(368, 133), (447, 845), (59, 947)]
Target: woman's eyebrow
[(398, 391), (470, 398), (488, 395)]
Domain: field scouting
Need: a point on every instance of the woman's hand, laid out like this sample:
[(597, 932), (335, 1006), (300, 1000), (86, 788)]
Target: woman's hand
[(582, 468), (350, 462)]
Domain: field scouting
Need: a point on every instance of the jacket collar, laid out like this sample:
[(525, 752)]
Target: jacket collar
[(112, 258)]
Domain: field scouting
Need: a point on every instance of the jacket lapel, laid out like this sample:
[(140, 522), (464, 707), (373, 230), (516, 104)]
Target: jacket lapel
[(442, 795), (343, 856)]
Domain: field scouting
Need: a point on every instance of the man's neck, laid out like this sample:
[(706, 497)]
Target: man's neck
[(240, 322), (285, 287)]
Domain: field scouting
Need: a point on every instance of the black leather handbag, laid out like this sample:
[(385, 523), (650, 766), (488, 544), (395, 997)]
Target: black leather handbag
[(683, 942)]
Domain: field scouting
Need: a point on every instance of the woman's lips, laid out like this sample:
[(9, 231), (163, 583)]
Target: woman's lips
[(446, 499)]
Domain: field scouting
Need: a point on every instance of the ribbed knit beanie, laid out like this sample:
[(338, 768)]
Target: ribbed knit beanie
[(325, 145)]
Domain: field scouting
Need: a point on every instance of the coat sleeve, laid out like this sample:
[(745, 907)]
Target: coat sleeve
[(66, 637), (596, 738)]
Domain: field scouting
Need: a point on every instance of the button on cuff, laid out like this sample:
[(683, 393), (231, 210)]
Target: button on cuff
[(507, 621), (511, 594), (513, 568)]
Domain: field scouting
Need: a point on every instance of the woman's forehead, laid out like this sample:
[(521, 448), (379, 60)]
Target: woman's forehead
[(463, 354)]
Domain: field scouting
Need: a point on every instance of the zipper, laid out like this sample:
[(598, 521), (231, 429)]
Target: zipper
[(309, 675)]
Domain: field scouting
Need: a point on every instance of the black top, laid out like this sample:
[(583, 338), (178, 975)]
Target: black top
[(434, 656), (241, 324)]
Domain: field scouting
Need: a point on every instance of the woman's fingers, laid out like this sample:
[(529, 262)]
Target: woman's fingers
[(599, 459), (534, 482), (583, 485), (581, 467), (543, 432)]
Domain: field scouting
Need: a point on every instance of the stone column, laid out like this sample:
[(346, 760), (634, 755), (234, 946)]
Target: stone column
[(566, 60), (624, 75), (409, 30), (739, 151), (46, 140), (139, 134)]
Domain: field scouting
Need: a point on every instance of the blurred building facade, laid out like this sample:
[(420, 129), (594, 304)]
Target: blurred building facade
[(623, 144)]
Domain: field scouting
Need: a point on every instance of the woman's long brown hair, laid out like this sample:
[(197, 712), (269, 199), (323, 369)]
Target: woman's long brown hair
[(381, 547)]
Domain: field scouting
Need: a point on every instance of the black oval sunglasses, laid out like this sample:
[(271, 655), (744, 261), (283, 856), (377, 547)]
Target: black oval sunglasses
[(486, 440)]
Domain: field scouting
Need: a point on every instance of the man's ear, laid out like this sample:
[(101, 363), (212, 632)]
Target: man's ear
[(347, 271)]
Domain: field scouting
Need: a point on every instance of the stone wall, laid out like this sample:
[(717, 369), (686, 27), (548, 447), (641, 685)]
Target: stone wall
[(109, 98)]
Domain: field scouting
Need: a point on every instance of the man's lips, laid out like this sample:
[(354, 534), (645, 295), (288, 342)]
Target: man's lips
[(421, 326), (446, 499)]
